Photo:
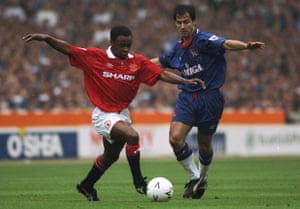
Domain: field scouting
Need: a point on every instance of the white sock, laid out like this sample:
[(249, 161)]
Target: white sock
[(190, 167)]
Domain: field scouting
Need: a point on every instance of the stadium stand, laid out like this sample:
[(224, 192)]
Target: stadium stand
[(40, 79)]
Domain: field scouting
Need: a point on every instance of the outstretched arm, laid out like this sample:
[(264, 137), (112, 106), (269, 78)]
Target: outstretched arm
[(175, 79), (59, 45), (235, 45)]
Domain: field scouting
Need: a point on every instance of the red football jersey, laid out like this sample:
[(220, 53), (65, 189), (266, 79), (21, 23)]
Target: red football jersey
[(111, 83)]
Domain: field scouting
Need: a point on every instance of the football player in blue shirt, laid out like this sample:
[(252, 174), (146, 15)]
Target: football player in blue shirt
[(198, 54)]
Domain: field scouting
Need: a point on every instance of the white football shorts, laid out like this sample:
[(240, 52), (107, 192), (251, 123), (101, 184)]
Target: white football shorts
[(105, 121)]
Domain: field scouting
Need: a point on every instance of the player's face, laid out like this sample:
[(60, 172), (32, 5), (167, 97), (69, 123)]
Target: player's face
[(121, 46), (185, 25)]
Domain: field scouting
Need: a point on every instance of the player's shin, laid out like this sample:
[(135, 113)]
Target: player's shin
[(204, 163), (133, 157)]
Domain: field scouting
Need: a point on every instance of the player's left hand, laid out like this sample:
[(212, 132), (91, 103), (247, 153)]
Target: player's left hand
[(196, 81), (35, 36)]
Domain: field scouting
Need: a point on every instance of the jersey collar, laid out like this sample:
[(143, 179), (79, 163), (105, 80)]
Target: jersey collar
[(112, 56), (189, 41)]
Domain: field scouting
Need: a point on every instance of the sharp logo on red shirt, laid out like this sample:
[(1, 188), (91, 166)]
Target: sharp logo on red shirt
[(118, 76)]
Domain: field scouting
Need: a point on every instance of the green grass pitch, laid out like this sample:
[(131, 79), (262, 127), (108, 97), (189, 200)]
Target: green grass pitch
[(233, 183)]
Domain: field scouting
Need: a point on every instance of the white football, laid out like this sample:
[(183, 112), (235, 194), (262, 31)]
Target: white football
[(160, 189)]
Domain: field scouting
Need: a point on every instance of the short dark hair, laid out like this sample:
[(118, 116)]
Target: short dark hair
[(181, 9), (119, 30)]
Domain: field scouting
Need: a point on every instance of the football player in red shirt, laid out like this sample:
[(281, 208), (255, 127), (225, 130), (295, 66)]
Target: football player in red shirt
[(111, 80)]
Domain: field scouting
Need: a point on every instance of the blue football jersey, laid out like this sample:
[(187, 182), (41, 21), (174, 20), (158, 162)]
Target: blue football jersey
[(203, 58)]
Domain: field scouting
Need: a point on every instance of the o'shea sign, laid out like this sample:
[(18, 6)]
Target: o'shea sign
[(37, 144)]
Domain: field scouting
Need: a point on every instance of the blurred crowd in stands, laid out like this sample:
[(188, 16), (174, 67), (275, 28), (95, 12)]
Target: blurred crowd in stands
[(34, 77)]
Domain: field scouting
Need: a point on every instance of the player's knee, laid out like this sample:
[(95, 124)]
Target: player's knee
[(206, 149), (176, 142), (205, 144), (132, 138)]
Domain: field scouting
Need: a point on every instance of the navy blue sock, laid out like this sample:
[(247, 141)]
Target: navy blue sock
[(205, 159), (183, 153)]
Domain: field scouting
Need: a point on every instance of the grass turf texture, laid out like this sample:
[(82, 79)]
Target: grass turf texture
[(262, 183)]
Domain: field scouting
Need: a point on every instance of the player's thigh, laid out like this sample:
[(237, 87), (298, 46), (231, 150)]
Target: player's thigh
[(206, 130), (122, 131), (105, 121)]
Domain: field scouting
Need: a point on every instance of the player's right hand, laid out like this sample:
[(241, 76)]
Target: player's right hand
[(197, 81)]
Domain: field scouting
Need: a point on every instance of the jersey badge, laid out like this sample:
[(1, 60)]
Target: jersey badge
[(109, 65), (133, 67), (194, 52), (107, 124)]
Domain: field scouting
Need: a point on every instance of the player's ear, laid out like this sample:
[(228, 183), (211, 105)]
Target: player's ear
[(194, 23)]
